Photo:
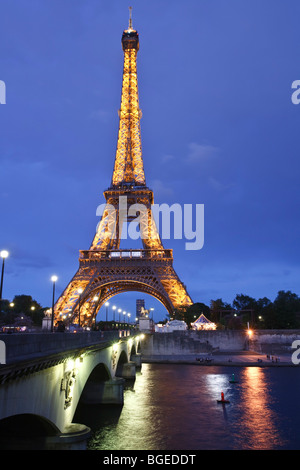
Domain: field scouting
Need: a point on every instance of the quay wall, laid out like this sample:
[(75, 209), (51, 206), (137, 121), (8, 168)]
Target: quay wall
[(187, 343), (193, 342), (273, 341)]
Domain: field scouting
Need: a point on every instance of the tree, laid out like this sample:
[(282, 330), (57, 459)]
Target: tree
[(264, 313), (7, 316), (217, 308), (194, 311), (235, 323), (286, 306), (244, 302), (247, 307), (190, 313), (26, 306), (23, 320), (4, 306)]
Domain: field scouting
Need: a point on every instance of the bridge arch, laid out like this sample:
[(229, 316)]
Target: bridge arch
[(99, 373), (123, 359), (95, 384), (25, 429), (113, 288), (132, 351), (106, 291)]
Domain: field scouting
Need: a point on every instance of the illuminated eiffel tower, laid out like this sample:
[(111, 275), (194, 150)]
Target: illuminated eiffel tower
[(105, 270)]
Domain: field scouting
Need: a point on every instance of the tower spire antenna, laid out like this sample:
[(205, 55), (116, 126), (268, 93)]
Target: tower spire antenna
[(130, 19)]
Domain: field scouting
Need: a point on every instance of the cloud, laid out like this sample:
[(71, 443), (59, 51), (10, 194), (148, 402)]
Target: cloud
[(201, 152), (23, 259), (160, 189)]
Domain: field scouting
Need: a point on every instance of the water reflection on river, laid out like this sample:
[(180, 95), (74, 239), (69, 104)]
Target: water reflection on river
[(174, 407)]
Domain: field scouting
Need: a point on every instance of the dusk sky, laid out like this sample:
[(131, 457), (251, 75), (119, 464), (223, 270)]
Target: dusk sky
[(219, 128)]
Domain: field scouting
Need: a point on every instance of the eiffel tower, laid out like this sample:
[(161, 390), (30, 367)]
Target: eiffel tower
[(106, 270)]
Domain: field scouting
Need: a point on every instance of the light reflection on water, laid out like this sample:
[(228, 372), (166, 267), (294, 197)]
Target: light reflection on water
[(174, 407), (260, 427)]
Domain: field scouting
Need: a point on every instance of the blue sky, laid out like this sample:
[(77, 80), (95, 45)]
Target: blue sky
[(218, 128)]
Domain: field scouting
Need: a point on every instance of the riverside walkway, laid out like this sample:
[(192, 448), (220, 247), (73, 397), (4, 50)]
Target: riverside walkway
[(238, 358)]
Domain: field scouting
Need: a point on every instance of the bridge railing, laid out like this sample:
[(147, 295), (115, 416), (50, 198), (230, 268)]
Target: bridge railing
[(20, 347)]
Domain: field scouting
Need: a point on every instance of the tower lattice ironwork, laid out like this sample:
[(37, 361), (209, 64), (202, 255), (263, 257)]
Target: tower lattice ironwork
[(106, 270)]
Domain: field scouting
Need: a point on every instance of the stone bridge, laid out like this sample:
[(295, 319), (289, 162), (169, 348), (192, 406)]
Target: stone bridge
[(47, 374)]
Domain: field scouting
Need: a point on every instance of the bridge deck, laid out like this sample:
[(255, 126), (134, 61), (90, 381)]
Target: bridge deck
[(31, 352)]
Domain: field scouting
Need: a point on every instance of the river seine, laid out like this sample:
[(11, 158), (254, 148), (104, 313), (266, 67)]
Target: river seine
[(174, 407)]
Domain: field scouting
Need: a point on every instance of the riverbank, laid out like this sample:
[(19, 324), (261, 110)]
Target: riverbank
[(226, 358)]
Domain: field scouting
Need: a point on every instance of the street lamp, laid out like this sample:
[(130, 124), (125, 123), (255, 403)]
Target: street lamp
[(124, 313), (53, 279), (79, 292), (4, 254), (106, 305), (128, 315), (114, 308), (119, 311)]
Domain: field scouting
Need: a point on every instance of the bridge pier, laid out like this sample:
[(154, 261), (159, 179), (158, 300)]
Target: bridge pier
[(74, 438), (137, 359), (110, 392), (127, 370)]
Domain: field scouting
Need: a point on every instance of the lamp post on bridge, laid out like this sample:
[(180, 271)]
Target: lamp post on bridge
[(119, 311), (4, 254), (114, 309), (53, 279), (106, 305), (114, 316), (152, 319)]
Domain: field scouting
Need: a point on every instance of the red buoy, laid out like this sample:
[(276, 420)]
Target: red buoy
[(223, 399)]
